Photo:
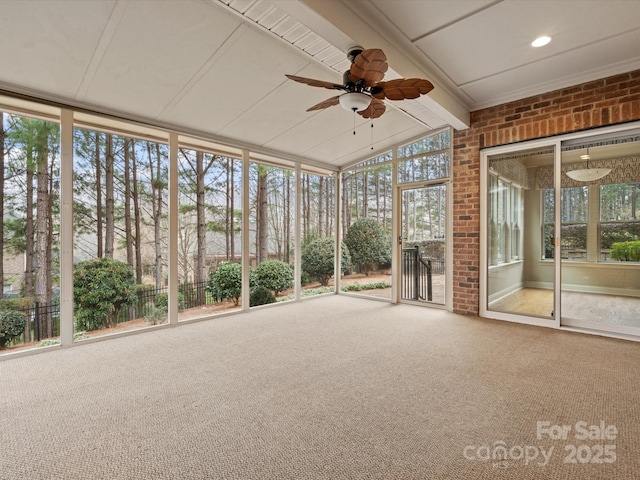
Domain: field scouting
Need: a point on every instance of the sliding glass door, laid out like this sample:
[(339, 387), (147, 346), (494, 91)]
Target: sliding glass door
[(600, 287), (561, 232), (519, 230)]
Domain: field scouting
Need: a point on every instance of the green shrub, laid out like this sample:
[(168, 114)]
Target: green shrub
[(626, 251), (156, 315), (358, 287), (101, 288), (274, 275), (260, 296), (368, 244), (611, 233), (161, 301), (318, 259), (22, 303), (225, 282), (12, 325)]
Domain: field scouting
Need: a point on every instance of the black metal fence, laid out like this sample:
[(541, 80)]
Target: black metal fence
[(417, 274), (43, 321), (150, 300)]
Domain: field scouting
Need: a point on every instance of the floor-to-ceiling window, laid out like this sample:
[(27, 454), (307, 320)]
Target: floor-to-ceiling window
[(317, 227), (30, 249), (366, 226), (272, 236), (120, 232), (209, 233), (154, 217)]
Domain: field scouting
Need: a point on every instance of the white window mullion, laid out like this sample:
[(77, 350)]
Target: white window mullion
[(66, 227), (172, 311)]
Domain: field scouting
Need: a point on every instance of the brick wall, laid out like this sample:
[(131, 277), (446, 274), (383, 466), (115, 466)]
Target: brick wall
[(594, 104)]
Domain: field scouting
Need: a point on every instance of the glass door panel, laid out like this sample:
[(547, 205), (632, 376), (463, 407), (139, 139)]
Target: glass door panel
[(600, 234), (520, 214), (423, 227)]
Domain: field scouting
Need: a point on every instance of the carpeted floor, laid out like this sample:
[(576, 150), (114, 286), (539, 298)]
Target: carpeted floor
[(329, 388)]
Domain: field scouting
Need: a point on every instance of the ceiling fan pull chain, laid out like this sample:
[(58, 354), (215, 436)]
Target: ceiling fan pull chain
[(354, 122), (372, 135)]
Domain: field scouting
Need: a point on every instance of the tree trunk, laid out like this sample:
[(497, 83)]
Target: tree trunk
[(262, 208), (287, 217), (99, 215), (365, 195), (232, 226), (201, 256), (128, 231), (307, 210), (109, 194), (321, 207), (29, 290), (376, 186), (2, 208), (305, 219), (328, 211), (157, 212), (49, 247), (42, 236), (136, 213), (346, 218)]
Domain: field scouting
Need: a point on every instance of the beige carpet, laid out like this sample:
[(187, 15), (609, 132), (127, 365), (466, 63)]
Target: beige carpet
[(329, 388)]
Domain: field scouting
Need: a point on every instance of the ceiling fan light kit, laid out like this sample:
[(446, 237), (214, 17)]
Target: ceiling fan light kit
[(364, 89), (354, 101)]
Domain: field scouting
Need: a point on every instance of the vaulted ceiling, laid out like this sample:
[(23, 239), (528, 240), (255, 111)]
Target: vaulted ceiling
[(216, 68)]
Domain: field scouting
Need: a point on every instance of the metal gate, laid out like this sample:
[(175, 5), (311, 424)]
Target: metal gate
[(416, 276)]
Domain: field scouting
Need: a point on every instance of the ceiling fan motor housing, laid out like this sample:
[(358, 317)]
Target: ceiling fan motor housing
[(354, 52)]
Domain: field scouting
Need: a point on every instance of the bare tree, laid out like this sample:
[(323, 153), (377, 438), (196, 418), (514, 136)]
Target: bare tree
[(109, 200), (2, 147), (99, 214), (230, 211), (43, 224), (128, 230), (262, 225), (157, 185), (136, 213)]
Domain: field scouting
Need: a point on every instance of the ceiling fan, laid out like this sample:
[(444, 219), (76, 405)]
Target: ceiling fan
[(363, 85)]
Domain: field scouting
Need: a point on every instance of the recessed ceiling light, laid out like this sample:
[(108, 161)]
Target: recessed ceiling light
[(541, 41)]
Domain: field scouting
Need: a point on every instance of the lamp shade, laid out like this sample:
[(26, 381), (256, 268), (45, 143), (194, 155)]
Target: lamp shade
[(354, 101), (588, 174)]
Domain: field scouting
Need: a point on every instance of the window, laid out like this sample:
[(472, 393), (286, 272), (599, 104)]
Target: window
[(426, 159), (619, 216), (575, 216), (505, 220), (619, 220)]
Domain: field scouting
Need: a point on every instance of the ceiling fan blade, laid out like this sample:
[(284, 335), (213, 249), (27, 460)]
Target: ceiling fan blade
[(403, 88), (370, 65), (374, 110), (316, 83), (329, 102)]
